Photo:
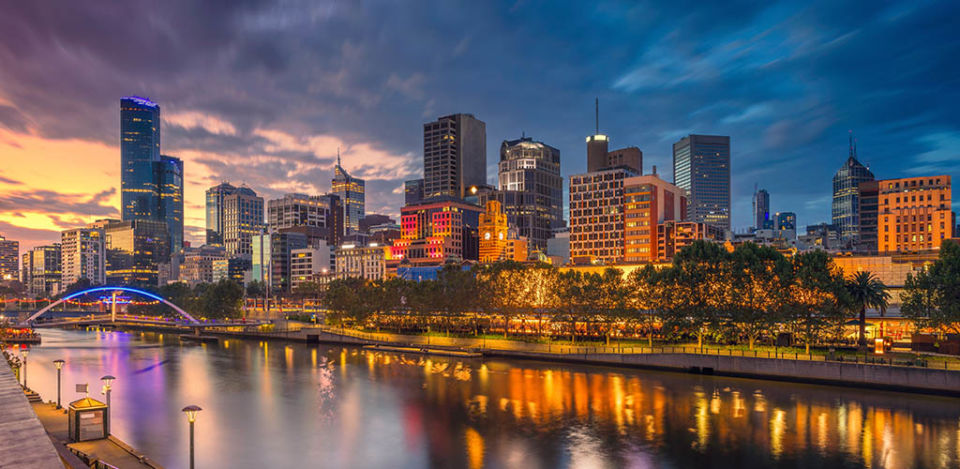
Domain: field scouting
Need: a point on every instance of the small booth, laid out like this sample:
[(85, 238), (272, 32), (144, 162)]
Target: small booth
[(87, 420)]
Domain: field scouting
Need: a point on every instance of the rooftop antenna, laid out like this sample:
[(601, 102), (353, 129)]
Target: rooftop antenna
[(338, 156), (850, 137), (596, 111)]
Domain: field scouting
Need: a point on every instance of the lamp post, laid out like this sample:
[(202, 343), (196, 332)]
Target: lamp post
[(25, 352), (107, 387), (191, 411), (59, 364)]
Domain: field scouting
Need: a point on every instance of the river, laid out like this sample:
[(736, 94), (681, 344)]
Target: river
[(293, 405)]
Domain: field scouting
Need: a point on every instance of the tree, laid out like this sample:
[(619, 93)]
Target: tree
[(646, 295), (345, 299), (699, 290), (221, 300), (758, 282), (541, 291), (866, 291), (501, 288), (816, 294), (932, 297)]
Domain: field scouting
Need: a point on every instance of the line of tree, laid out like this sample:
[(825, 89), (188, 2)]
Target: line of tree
[(223, 299), (932, 297), (708, 294)]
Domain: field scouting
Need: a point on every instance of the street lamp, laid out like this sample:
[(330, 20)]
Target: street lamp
[(59, 364), (107, 382), (25, 352), (191, 411)]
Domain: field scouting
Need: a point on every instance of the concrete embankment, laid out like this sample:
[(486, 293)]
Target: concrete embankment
[(23, 441)]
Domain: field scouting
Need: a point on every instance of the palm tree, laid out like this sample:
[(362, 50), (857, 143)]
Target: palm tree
[(866, 291)]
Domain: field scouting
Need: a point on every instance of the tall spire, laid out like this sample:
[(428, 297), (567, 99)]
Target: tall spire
[(853, 152), (596, 110), (338, 156)]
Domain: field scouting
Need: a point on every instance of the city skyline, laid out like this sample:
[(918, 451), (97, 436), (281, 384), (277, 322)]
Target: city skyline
[(786, 100)]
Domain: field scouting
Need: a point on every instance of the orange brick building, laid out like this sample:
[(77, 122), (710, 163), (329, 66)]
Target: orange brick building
[(647, 202), (914, 214)]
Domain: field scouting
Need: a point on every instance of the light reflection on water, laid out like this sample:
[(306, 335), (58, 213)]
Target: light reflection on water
[(269, 404)]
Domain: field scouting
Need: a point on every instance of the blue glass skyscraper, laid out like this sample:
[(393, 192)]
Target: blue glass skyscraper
[(351, 191), (170, 172), (139, 155)]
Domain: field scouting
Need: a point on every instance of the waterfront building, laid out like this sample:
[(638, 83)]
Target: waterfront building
[(454, 155), (134, 251), (412, 191), (214, 212), (845, 208), (351, 192), (530, 189), (271, 257), (914, 214), (498, 240), (437, 229), (368, 262), (83, 255), (306, 263), (674, 236), (701, 166), (647, 202), (206, 264), (42, 271), (596, 216), (9, 259), (761, 209), (242, 218)]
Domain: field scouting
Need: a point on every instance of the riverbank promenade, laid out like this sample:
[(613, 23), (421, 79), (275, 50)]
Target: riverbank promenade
[(23, 441)]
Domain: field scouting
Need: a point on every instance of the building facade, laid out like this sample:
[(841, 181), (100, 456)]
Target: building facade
[(437, 229), (596, 216), (271, 258), (214, 212), (324, 212), (761, 210), (308, 262), (242, 218), (351, 192), (412, 191), (914, 214), (454, 155), (42, 271), (498, 240), (674, 236), (134, 251), (701, 166), (647, 202), (368, 262), (868, 196), (845, 208), (83, 255), (530, 189), (207, 264), (170, 174), (9, 259)]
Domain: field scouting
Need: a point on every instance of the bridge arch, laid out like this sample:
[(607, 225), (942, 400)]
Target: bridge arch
[(147, 294)]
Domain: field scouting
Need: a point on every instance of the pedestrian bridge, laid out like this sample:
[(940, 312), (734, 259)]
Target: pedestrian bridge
[(132, 319), (113, 291)]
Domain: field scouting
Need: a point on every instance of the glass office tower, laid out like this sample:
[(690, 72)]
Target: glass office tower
[(170, 172), (701, 166), (139, 154), (351, 193), (846, 194)]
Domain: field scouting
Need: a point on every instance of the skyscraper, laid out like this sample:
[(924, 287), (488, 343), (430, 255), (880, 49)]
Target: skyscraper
[(761, 209), (648, 201), (214, 212), (82, 255), (412, 191), (170, 172), (596, 215), (9, 262), (701, 166), (914, 214), (242, 218), (319, 215), (454, 155), (139, 155), (134, 250), (530, 189), (41, 270), (846, 194), (600, 158), (351, 193)]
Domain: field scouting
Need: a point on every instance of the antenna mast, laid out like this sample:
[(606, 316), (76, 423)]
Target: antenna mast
[(596, 110)]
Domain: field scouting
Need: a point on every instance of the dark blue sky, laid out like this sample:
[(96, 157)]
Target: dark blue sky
[(264, 91)]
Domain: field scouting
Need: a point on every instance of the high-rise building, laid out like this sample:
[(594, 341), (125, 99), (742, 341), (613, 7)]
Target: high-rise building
[(596, 215), (139, 156), (412, 191), (437, 229), (454, 155), (701, 166), (368, 262), (323, 212), (846, 194), (151, 184), (868, 195), (214, 212), (351, 192), (170, 172), (530, 189), (134, 251), (242, 218), (82, 255), (914, 214), (9, 259), (499, 240), (786, 221), (374, 219), (599, 157), (41, 271), (647, 202), (761, 209), (271, 258), (206, 264), (307, 262)]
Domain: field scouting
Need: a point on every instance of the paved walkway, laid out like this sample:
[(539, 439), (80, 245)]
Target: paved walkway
[(23, 443), (111, 450)]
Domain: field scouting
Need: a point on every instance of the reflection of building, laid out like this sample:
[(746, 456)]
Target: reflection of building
[(530, 189), (367, 262), (673, 236), (41, 271), (596, 215), (845, 208), (647, 202), (82, 255), (437, 229), (351, 193), (498, 241), (454, 155), (914, 214), (761, 209), (9, 259), (134, 250), (307, 262), (701, 166)]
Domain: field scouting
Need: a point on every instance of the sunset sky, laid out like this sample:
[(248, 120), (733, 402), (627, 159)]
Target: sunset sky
[(263, 92)]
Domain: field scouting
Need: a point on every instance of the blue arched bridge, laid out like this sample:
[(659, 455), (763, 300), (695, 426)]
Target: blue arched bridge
[(114, 291)]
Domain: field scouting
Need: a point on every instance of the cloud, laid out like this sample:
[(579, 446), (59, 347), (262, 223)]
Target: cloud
[(196, 119)]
